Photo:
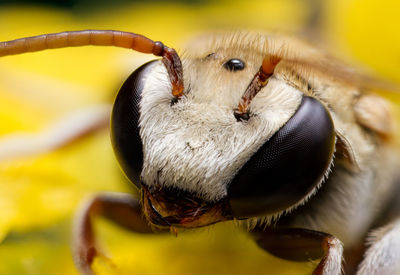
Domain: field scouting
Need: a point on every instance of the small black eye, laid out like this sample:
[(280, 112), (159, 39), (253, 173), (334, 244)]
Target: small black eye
[(234, 64)]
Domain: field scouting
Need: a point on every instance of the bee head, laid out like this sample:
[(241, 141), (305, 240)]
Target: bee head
[(199, 163)]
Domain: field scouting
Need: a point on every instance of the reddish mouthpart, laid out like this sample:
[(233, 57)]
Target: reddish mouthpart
[(165, 207)]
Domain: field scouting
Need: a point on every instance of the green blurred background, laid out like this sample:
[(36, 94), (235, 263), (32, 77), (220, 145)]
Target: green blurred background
[(39, 194)]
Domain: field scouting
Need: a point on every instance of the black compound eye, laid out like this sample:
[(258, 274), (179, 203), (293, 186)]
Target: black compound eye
[(288, 166), (234, 64), (125, 136)]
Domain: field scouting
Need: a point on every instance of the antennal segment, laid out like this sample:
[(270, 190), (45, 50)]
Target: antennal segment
[(259, 81), (128, 40)]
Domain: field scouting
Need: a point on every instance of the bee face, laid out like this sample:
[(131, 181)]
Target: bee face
[(202, 143), (196, 145)]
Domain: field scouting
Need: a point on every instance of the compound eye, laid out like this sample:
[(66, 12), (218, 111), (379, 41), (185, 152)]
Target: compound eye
[(234, 64), (125, 115), (288, 166)]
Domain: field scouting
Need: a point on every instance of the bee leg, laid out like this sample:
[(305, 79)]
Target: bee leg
[(383, 253), (298, 244), (123, 209)]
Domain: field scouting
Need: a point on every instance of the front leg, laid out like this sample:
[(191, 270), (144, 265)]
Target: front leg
[(123, 209), (298, 244)]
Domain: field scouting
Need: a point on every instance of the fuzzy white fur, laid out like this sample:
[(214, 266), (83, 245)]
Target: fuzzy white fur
[(383, 255), (334, 257), (198, 145)]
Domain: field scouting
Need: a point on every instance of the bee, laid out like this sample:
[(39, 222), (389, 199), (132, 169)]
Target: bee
[(259, 128)]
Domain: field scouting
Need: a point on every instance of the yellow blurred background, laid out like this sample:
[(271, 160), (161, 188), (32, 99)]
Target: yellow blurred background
[(40, 194)]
